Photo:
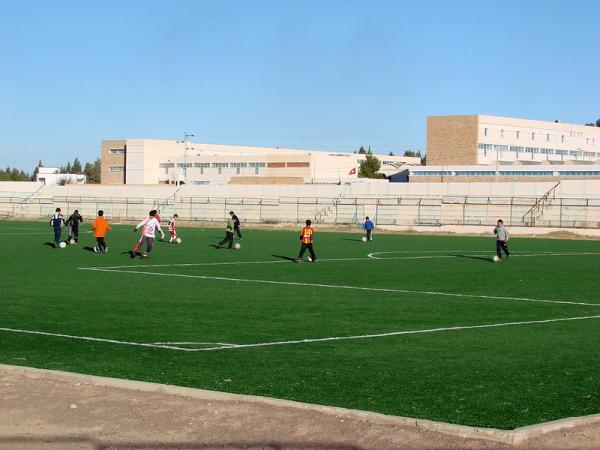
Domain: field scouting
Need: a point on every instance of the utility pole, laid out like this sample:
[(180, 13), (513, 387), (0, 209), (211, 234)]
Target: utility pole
[(186, 146)]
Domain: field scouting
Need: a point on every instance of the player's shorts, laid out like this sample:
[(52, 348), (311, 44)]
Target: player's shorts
[(149, 242)]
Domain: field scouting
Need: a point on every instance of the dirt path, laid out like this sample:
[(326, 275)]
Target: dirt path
[(44, 410)]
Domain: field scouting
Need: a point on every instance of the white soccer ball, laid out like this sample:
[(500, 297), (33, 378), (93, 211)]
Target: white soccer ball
[(62, 244), (237, 246), (178, 241), (364, 239), (309, 259), (495, 258)]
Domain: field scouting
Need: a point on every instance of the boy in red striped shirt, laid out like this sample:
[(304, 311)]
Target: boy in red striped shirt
[(306, 238)]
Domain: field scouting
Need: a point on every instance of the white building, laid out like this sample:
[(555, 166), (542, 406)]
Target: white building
[(50, 176), (145, 161)]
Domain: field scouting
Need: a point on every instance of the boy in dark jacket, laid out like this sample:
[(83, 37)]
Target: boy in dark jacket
[(73, 222)]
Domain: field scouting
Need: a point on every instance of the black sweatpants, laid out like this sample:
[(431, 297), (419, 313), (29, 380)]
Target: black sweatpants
[(74, 233), (237, 231), (228, 239), (500, 247), (310, 251), (101, 244)]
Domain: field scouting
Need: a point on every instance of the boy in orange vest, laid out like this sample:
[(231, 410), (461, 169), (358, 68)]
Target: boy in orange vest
[(100, 226), (306, 238)]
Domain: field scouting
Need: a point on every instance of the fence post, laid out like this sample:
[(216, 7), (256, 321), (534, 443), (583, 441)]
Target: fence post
[(560, 215)]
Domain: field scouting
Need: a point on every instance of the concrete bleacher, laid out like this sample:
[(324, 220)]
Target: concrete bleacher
[(570, 204)]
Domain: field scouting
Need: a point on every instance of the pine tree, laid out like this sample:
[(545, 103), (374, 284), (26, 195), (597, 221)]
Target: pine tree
[(76, 167), (369, 168)]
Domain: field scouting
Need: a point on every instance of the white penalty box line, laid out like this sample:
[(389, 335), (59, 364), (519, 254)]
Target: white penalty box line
[(177, 346)]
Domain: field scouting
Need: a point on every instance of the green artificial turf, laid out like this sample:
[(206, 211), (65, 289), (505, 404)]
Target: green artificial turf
[(503, 377)]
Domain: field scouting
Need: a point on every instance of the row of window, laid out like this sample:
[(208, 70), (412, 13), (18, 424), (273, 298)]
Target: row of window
[(532, 150), (117, 151), (535, 135), (506, 173), (116, 169), (237, 165)]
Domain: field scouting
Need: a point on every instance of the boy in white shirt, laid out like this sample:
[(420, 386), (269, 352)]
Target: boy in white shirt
[(149, 227)]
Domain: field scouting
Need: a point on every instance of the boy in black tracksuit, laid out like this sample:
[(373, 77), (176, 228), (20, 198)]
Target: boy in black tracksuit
[(236, 224), (73, 221)]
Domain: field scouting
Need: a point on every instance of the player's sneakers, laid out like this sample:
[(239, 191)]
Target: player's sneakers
[(298, 260), (105, 249), (96, 249)]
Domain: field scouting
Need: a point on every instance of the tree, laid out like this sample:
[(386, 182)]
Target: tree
[(369, 168), (92, 172), (36, 170), (362, 151), (13, 174), (598, 123), (409, 153), (391, 154), (76, 167)]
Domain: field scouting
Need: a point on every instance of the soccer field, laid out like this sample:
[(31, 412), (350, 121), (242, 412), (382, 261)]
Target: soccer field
[(418, 326)]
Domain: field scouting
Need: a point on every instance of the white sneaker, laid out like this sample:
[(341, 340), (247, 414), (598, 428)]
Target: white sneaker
[(96, 249)]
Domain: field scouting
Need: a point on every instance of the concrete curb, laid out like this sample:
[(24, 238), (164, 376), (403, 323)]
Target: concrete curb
[(514, 437)]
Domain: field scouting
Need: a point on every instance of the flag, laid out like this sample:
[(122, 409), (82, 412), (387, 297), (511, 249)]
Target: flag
[(352, 171)]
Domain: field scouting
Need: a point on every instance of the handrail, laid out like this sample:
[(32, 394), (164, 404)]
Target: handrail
[(543, 198)]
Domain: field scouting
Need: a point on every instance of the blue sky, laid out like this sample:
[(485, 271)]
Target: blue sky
[(325, 74)]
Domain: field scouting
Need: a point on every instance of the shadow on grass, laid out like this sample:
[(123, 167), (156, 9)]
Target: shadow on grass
[(49, 244), (349, 239), (89, 249), (287, 258), (481, 258)]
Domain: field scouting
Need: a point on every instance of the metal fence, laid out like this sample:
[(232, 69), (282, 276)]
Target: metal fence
[(408, 211)]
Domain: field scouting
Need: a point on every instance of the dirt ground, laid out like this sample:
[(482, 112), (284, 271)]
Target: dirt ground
[(43, 410)]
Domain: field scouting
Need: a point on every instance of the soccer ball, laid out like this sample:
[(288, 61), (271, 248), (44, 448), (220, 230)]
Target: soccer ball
[(495, 258), (364, 239), (309, 259), (62, 244), (237, 246), (178, 240)]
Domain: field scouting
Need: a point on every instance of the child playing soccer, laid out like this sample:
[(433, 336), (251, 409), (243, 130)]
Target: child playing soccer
[(149, 227), (57, 222), (173, 229), (306, 238), (100, 227), (501, 239), (368, 227), (73, 222), (229, 226)]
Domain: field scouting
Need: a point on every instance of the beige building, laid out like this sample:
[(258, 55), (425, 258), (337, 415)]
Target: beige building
[(145, 161), (485, 140)]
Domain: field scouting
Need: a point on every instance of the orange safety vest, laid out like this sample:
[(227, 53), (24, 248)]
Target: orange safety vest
[(307, 235)]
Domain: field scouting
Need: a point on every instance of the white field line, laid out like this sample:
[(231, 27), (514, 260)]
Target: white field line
[(223, 346), (456, 255), (341, 286), (370, 256)]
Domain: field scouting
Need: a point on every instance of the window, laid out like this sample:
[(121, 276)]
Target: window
[(562, 138), (548, 137), (501, 133), (117, 151), (200, 182), (533, 136), (185, 165), (202, 165), (116, 169), (501, 148), (220, 165), (238, 165), (532, 150), (298, 164), (485, 131), (516, 148), (257, 164), (518, 134), (166, 165)]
